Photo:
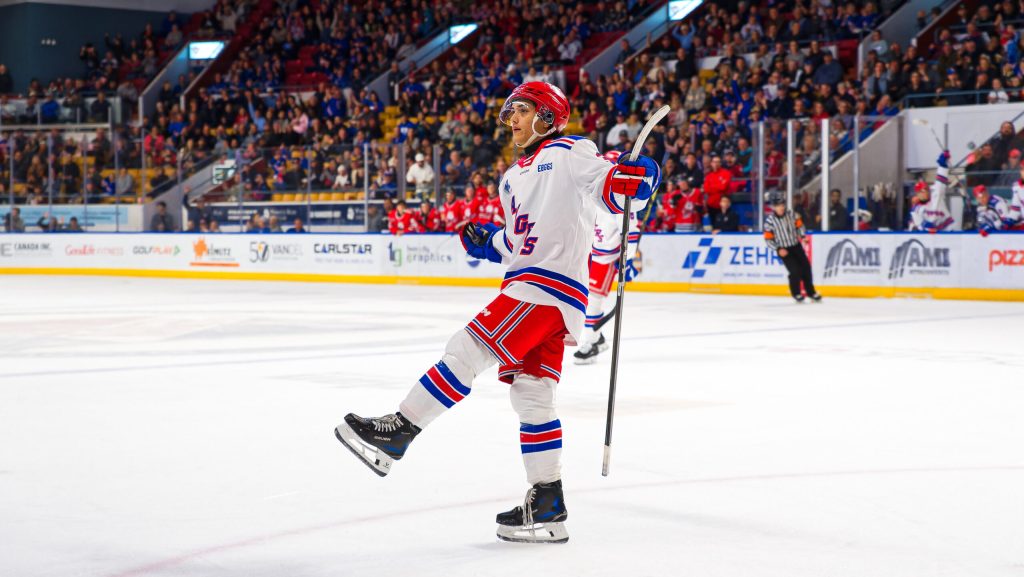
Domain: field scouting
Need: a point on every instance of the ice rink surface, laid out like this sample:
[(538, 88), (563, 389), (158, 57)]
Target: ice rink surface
[(171, 427)]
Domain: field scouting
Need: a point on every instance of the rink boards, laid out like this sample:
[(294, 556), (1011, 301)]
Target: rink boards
[(963, 266)]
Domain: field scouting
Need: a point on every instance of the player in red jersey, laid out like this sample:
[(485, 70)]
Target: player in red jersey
[(452, 212), (427, 218), (400, 220), (497, 214)]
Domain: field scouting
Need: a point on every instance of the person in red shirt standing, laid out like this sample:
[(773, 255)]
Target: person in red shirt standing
[(400, 220), (427, 219), (689, 209), (670, 214), (482, 207), (494, 205), (469, 206), (717, 183), (453, 211)]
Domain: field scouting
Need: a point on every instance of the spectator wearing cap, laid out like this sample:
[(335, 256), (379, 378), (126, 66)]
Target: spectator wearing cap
[(420, 175)]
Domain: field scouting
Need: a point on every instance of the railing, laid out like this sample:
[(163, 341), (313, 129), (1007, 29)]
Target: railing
[(75, 110), (962, 97)]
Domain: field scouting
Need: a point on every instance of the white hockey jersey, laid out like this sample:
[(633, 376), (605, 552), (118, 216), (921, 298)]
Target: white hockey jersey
[(934, 214), (994, 215), (1017, 203), (608, 237), (551, 199)]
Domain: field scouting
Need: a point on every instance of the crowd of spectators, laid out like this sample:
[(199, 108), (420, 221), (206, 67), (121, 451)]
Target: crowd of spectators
[(776, 62)]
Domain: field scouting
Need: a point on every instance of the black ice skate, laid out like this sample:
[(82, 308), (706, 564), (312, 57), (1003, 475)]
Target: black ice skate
[(541, 519), (587, 354), (799, 299), (378, 442), (816, 297)]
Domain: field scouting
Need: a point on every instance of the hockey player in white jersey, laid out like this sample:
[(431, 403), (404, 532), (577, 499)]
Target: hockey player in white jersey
[(550, 196), (604, 261), (993, 212), (1017, 203), (931, 213)]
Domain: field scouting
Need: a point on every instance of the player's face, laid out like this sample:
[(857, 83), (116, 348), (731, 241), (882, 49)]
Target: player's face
[(780, 209), (521, 122)]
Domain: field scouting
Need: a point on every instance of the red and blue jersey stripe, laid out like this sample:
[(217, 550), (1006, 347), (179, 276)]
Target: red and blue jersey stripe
[(592, 320), (557, 285), (633, 237), (441, 383), (607, 196), (537, 438), (565, 142), (594, 251)]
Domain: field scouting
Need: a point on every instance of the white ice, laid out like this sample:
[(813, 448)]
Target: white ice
[(171, 427)]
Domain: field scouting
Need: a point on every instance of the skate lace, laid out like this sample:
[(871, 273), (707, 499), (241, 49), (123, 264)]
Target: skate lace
[(528, 506), (387, 423)]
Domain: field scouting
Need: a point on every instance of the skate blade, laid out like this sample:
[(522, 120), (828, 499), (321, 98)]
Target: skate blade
[(377, 461), (586, 361), (542, 533)]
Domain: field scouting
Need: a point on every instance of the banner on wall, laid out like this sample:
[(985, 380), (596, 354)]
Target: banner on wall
[(697, 262), (337, 254), (710, 259), (920, 260)]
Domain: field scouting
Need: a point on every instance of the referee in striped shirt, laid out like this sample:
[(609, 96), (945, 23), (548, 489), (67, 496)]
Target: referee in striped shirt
[(783, 230)]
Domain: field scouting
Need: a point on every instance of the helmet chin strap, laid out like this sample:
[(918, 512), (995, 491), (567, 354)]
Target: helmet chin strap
[(536, 133)]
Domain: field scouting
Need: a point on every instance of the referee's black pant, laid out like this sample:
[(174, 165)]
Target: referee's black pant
[(799, 268)]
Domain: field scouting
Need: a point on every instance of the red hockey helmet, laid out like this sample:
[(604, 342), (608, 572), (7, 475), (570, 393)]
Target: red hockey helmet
[(612, 155), (920, 186), (980, 190), (552, 105)]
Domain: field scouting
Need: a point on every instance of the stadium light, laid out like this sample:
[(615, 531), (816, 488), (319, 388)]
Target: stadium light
[(679, 9), (459, 32), (207, 50)]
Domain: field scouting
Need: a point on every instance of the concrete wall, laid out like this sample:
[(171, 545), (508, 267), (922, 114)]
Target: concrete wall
[(24, 26)]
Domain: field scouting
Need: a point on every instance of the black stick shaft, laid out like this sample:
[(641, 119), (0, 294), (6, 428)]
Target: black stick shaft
[(621, 291)]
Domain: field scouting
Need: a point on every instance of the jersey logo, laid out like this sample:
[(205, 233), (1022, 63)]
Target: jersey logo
[(523, 226), (485, 312), (545, 167)]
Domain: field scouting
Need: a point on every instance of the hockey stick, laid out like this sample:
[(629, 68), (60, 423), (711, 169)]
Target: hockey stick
[(924, 122), (605, 319), (620, 289)]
